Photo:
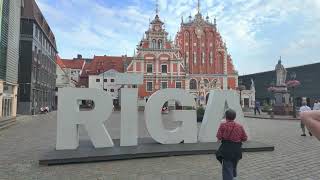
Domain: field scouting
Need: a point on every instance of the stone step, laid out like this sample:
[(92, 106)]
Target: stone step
[(7, 123)]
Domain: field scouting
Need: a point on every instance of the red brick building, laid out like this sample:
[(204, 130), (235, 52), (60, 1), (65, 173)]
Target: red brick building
[(197, 61), (206, 59), (158, 59)]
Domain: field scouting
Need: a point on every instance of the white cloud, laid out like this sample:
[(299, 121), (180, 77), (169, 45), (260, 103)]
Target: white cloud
[(86, 25)]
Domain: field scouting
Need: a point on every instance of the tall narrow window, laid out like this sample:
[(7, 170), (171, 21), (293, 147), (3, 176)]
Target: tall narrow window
[(154, 44), (203, 57), (187, 57), (211, 57), (164, 68), (194, 57), (178, 84), (149, 86), (160, 44), (193, 84), (149, 68), (164, 85)]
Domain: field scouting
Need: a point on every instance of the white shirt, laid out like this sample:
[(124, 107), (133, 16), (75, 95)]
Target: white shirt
[(316, 106), (305, 108)]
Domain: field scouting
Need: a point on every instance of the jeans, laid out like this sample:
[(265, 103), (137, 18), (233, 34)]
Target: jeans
[(229, 170), (255, 110)]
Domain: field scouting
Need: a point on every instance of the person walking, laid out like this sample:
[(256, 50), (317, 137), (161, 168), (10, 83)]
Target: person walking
[(304, 108), (256, 107), (316, 105), (312, 120), (231, 135)]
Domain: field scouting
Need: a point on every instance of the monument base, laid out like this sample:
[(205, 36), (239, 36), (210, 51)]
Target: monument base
[(147, 148), (284, 110)]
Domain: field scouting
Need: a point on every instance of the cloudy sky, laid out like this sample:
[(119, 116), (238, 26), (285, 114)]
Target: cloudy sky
[(257, 32)]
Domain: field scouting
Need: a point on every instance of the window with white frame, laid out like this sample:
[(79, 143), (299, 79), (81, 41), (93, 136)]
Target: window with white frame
[(97, 80), (178, 84), (211, 57), (187, 56), (149, 86), (203, 57), (164, 85), (164, 68), (149, 68)]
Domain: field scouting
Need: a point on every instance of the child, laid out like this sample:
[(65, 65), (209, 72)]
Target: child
[(231, 135)]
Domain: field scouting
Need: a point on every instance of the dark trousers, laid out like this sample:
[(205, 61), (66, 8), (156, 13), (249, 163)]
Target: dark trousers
[(229, 170), (255, 110)]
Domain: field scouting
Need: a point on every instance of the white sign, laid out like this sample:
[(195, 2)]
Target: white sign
[(70, 117)]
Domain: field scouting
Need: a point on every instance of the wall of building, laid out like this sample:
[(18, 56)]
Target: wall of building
[(64, 78), (13, 43), (4, 37), (38, 77), (105, 83), (307, 75), (9, 56)]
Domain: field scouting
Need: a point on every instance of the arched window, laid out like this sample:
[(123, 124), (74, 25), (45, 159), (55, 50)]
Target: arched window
[(154, 44), (193, 84), (160, 44), (206, 82)]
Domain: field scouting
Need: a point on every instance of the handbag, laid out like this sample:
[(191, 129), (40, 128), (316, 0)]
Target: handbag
[(219, 153)]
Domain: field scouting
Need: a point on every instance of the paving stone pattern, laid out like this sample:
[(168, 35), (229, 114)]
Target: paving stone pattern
[(295, 157)]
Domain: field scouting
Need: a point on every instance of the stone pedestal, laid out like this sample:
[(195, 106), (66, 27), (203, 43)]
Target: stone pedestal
[(282, 101)]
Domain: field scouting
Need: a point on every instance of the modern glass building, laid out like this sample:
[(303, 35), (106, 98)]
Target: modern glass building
[(10, 12)]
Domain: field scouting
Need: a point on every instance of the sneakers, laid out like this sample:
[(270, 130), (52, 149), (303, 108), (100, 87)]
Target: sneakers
[(303, 135)]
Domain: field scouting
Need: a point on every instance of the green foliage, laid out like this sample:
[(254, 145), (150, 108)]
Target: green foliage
[(188, 108), (200, 111), (266, 107)]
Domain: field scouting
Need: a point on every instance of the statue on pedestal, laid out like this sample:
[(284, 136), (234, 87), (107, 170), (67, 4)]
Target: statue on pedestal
[(281, 74), (252, 88)]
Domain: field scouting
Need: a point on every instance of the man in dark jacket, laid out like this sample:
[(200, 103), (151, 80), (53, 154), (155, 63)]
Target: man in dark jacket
[(231, 135), (256, 107)]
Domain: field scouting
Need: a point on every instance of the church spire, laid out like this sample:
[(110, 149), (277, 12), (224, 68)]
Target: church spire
[(157, 7), (198, 6)]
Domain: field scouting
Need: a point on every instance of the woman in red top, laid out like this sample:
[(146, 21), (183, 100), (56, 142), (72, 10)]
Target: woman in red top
[(231, 135)]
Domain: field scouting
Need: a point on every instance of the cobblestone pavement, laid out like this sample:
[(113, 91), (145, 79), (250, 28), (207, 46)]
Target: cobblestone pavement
[(295, 157)]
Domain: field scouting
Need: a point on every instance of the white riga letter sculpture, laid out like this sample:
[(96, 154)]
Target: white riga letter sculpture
[(187, 132), (70, 117)]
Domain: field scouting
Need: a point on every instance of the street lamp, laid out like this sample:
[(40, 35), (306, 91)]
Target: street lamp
[(292, 84), (241, 87)]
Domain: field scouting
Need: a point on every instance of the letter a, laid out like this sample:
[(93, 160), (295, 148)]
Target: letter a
[(70, 117), (215, 112)]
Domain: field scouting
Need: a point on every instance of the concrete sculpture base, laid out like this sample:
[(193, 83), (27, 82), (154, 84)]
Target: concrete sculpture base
[(147, 148)]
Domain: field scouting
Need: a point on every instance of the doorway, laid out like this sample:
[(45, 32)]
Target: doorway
[(6, 107)]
